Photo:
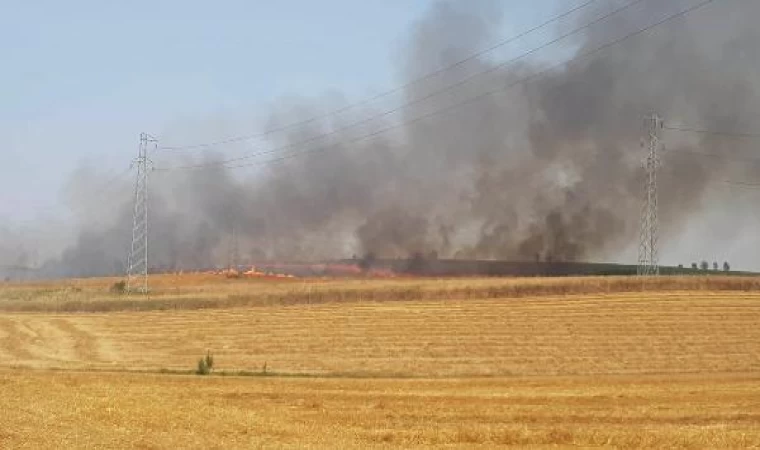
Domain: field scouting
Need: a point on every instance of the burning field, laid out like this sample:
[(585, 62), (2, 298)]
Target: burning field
[(547, 171), (416, 278)]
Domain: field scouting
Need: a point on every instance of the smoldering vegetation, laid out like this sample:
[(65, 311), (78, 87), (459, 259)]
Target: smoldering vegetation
[(545, 170)]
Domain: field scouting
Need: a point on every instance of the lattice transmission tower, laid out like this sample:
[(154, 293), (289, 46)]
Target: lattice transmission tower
[(137, 264), (649, 264)]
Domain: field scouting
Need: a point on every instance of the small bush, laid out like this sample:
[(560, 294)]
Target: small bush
[(202, 367), (119, 287), (205, 365), (209, 361)]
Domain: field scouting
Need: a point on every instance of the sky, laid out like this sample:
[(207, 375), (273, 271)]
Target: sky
[(82, 79)]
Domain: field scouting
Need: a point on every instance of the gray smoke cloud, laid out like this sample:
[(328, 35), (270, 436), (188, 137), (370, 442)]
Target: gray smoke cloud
[(550, 169)]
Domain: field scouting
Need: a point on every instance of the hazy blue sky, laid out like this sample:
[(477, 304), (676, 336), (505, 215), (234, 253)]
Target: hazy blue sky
[(81, 79)]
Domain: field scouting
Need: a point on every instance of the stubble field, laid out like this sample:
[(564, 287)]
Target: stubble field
[(665, 363)]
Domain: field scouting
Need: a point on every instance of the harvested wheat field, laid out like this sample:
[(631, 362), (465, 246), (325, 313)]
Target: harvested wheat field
[(672, 362), (85, 410)]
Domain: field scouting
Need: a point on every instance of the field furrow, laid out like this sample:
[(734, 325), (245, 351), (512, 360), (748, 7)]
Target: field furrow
[(622, 333)]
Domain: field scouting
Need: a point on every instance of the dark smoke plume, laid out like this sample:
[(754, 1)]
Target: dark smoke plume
[(550, 169)]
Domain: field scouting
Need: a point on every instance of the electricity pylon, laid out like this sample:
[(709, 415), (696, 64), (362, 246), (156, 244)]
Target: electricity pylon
[(137, 265), (649, 264)]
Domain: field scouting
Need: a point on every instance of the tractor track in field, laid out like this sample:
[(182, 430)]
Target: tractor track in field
[(41, 341)]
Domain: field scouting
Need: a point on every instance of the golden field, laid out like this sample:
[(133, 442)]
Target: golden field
[(86, 410), (202, 291), (622, 362)]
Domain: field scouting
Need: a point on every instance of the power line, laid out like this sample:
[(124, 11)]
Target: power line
[(424, 98), (419, 100), (713, 155), (222, 164), (384, 93), (111, 183), (713, 132), (742, 184)]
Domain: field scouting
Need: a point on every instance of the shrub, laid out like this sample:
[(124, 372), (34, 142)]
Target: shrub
[(202, 367), (119, 287), (205, 365), (209, 361)]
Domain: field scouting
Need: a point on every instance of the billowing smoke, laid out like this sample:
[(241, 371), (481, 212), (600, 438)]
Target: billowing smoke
[(549, 169)]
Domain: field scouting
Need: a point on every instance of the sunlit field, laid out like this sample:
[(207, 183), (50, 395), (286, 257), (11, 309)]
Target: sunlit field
[(622, 362), (85, 410)]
